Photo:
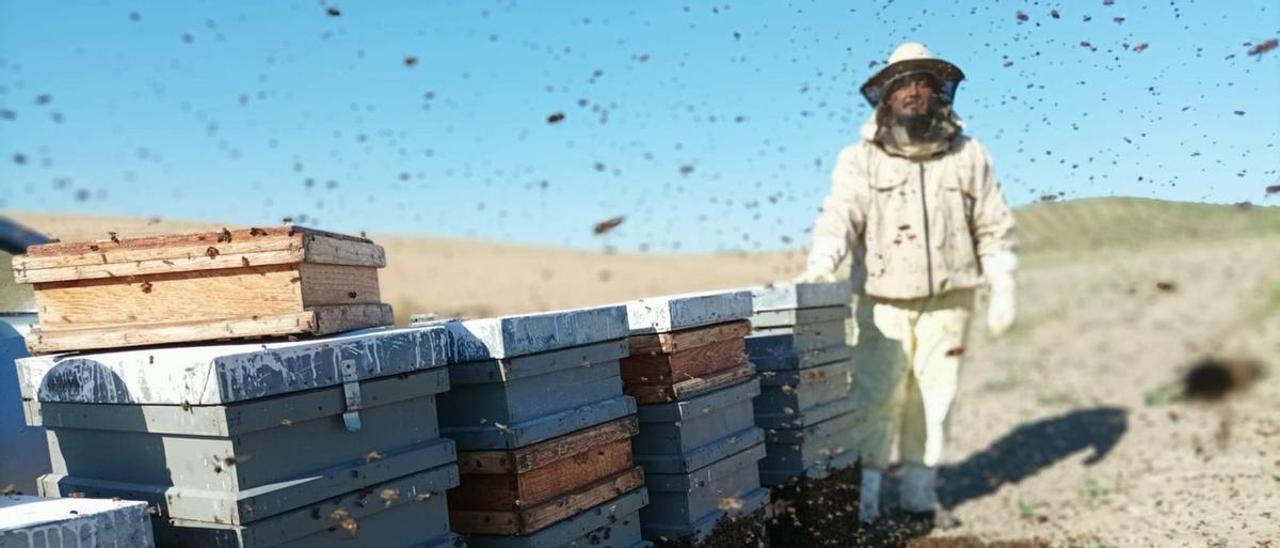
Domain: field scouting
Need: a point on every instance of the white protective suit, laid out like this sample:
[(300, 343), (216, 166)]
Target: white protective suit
[(923, 234)]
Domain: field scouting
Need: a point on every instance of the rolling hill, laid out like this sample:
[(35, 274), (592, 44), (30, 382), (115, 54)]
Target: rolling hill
[(456, 277)]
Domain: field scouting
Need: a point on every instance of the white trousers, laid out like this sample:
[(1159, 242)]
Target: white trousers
[(906, 370)]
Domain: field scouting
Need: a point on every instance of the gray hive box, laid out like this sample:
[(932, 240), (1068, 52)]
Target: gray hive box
[(683, 436), (614, 524), (513, 387), (777, 343), (813, 448), (511, 336), (241, 444), (699, 531), (805, 417), (36, 522), (796, 326), (799, 316), (783, 296), (785, 394), (685, 311), (681, 500), (767, 361), (798, 341), (514, 402)]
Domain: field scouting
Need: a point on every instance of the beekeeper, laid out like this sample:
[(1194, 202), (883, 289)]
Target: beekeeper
[(916, 203)]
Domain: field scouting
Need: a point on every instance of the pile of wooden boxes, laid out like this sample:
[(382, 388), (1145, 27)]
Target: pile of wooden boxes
[(276, 442), (698, 443), (798, 342), (543, 430)]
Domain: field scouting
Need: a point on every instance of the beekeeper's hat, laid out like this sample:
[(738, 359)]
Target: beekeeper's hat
[(912, 58)]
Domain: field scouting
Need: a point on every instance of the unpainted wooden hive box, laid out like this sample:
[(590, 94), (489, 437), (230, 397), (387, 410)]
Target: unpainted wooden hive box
[(255, 282)]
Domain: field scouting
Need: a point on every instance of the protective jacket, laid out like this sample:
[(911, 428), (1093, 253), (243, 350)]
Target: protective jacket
[(917, 228)]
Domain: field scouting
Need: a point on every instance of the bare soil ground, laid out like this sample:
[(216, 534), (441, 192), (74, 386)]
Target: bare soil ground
[(1069, 429), (1067, 432)]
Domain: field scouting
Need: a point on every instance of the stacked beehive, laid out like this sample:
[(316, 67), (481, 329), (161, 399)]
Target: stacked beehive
[(798, 341), (278, 443), (697, 443), (544, 431)]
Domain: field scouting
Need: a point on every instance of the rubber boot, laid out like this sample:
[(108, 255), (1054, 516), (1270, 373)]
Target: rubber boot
[(869, 496), (918, 495)]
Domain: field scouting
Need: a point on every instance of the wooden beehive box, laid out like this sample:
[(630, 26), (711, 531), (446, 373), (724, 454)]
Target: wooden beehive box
[(685, 345), (231, 284), (664, 367), (523, 490)]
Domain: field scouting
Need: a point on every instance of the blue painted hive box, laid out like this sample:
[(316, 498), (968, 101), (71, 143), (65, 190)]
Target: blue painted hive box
[(681, 500), (683, 436), (784, 395), (519, 380), (792, 451), (737, 522), (775, 344)]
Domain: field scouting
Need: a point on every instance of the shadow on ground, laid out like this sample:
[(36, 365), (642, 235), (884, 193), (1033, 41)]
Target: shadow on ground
[(1021, 453)]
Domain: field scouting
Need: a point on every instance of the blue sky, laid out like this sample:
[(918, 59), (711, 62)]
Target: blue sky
[(710, 126)]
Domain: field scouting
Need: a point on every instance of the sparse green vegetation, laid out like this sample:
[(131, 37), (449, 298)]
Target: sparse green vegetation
[(1094, 492), (1167, 393), (1086, 542), (1056, 398), (1027, 509), (1000, 385), (1272, 303), (1093, 224)]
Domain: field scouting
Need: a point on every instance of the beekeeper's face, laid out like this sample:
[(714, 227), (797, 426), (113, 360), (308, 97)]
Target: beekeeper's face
[(913, 96)]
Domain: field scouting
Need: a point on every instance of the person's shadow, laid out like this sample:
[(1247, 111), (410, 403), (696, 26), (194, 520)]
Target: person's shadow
[(1021, 453)]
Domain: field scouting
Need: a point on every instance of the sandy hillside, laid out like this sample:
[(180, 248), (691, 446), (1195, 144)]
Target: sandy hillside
[(454, 277), (1068, 430)]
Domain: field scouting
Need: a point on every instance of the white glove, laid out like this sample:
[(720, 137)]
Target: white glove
[(820, 266), (1002, 309), (813, 275)]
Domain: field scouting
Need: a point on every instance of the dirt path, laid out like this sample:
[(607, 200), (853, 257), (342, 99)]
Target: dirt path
[(1062, 432)]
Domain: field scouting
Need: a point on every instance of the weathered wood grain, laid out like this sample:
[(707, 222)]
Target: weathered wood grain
[(115, 258), (338, 318), (683, 365), (523, 490), (211, 294), (206, 286), (528, 520), (675, 341), (227, 293), (326, 284), (198, 259), (664, 393), (612, 524), (544, 453), (107, 245), (322, 320)]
